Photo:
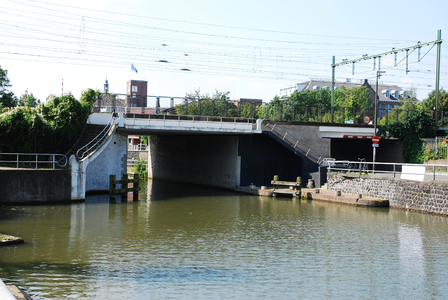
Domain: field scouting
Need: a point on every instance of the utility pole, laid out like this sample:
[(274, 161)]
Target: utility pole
[(378, 74), (439, 46)]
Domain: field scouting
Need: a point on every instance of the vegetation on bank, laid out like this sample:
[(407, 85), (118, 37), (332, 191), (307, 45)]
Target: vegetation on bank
[(140, 167), (28, 126)]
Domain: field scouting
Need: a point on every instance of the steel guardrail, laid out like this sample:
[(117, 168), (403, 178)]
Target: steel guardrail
[(37, 161), (435, 171)]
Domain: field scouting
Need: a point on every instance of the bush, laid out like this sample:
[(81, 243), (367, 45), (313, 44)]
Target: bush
[(141, 167)]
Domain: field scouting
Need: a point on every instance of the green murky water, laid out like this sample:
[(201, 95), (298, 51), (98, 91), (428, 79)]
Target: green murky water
[(183, 242)]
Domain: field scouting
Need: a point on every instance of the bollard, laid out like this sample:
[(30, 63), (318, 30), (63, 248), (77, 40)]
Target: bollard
[(112, 185)]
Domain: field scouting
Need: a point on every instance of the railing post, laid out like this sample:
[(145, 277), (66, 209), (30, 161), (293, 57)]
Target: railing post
[(306, 113), (281, 111), (37, 160)]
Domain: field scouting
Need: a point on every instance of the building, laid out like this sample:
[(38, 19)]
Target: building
[(388, 95), (136, 93), (242, 101)]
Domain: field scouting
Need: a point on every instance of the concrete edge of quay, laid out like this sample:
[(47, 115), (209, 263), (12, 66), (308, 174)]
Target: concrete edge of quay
[(322, 194)]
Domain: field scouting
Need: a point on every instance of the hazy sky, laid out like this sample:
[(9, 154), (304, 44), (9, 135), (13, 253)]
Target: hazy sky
[(249, 48)]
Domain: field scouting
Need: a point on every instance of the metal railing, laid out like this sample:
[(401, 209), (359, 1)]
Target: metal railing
[(437, 146), (139, 147), (274, 110), (293, 141), (432, 171), (96, 142), (175, 120), (25, 160)]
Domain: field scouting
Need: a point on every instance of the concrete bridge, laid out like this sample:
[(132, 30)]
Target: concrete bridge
[(217, 151)]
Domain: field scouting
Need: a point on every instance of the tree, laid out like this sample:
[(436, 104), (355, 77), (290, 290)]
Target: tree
[(90, 96), (28, 100), (207, 105), (417, 126), (429, 102), (7, 98)]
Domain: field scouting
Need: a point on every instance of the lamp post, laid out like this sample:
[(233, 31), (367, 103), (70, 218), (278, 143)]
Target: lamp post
[(378, 74)]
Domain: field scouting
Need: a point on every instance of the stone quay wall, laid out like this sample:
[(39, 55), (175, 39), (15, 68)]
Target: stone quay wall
[(34, 186), (427, 196)]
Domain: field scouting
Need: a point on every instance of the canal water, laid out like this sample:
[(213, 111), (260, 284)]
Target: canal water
[(184, 242)]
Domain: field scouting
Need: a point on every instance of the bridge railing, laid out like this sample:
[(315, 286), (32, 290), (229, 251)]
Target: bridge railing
[(95, 143), (274, 110), (33, 160), (193, 121)]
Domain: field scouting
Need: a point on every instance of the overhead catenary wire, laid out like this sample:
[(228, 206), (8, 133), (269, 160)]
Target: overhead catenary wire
[(116, 46)]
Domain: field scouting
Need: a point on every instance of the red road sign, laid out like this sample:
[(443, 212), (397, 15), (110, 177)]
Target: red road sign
[(366, 119), (446, 140), (375, 139)]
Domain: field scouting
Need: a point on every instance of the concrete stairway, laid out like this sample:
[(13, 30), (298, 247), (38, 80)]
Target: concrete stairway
[(89, 134), (282, 135)]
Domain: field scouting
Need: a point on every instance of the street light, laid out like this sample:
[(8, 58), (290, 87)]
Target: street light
[(378, 74)]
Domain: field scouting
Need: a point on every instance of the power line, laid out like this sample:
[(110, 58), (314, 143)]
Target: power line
[(202, 24)]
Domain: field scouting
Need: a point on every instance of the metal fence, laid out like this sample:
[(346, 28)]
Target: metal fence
[(275, 111), (436, 146), (361, 167), (32, 160)]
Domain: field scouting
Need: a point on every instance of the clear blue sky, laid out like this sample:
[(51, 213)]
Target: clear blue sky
[(249, 48)]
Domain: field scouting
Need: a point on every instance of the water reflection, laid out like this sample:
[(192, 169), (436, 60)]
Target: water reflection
[(412, 260), (186, 242)]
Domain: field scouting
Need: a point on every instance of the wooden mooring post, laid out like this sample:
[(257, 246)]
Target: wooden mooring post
[(294, 188), (125, 189)]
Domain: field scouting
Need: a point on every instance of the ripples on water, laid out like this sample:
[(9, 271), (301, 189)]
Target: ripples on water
[(181, 242)]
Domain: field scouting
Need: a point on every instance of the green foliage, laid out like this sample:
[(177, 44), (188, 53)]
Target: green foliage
[(433, 151), (315, 105), (207, 105), (50, 128), (145, 139), (28, 100), (141, 167), (90, 96), (429, 102), (418, 125), (7, 98)]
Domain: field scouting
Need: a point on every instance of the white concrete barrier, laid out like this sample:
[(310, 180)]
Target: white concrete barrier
[(5, 293)]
